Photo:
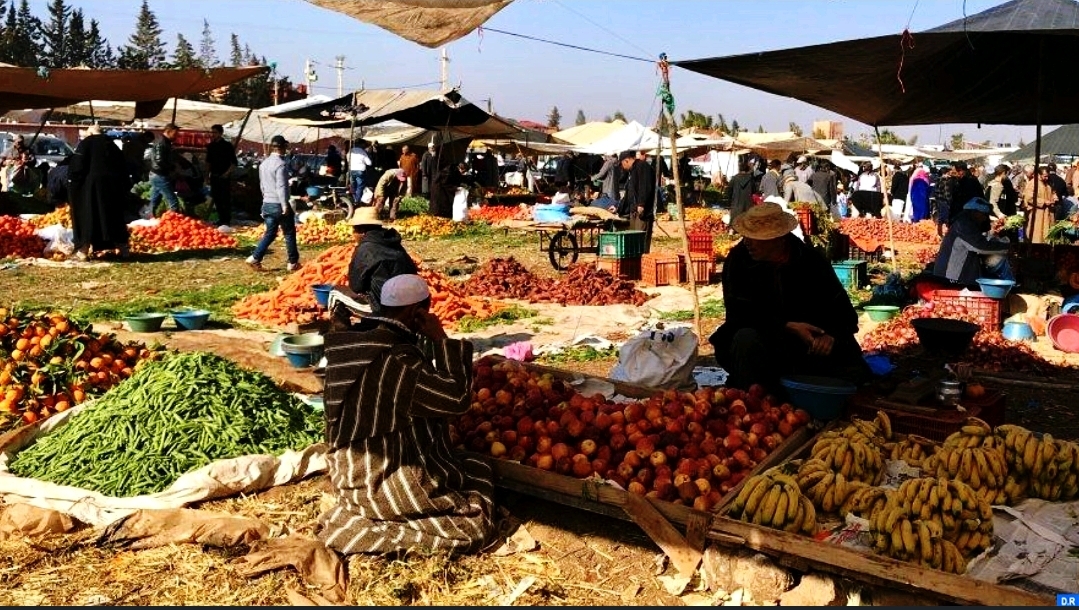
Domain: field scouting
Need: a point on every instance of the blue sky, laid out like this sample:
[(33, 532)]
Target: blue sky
[(524, 79)]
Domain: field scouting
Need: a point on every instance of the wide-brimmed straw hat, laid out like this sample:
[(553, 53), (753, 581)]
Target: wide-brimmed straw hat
[(765, 221), (365, 217)]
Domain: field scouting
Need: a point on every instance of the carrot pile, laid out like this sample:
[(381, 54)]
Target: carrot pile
[(17, 239), (176, 231), (492, 214), (293, 300)]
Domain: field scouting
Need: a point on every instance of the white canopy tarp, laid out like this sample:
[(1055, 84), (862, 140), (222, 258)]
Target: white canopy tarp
[(589, 133), (190, 114)]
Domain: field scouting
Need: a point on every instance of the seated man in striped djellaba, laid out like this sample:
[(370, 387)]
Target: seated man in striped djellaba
[(398, 485)]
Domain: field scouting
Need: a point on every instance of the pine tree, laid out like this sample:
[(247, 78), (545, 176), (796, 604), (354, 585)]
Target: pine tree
[(618, 116), (22, 36), (795, 128), (581, 120), (721, 124), (98, 50), (735, 128), (207, 50), (760, 128), (236, 56), (78, 53), (54, 39), (184, 55), (144, 49), (554, 119), (4, 34)]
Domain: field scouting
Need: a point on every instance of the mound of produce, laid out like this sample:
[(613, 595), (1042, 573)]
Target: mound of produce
[(697, 214), (49, 363), (17, 239), (176, 231), (687, 448), (174, 415), (581, 285), (922, 232), (712, 223), (773, 499), (427, 226), (989, 350), (316, 232), (293, 300), (59, 216), (492, 214)]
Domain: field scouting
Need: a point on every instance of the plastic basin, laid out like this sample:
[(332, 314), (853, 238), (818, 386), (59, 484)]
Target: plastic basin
[(322, 293), (996, 289), (145, 322), (1063, 331), (314, 191), (306, 343), (881, 313), (1018, 331), (944, 336), (190, 319), (823, 397), (301, 361)]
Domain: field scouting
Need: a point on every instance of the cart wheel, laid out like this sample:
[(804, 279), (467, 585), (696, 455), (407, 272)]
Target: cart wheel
[(563, 250), (345, 205)]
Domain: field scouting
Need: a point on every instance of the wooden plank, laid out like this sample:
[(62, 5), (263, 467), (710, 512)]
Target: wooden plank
[(607, 510), (876, 569), (684, 557), (697, 531)]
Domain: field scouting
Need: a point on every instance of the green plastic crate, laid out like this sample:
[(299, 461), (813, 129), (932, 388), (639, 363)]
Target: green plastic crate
[(852, 274), (621, 244)]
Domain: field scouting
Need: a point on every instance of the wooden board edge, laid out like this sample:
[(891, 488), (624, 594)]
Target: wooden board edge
[(879, 569), (631, 390), (683, 556)]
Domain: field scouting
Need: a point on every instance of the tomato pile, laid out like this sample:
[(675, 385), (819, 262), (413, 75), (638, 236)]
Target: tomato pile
[(711, 223), (17, 239), (59, 216), (293, 300), (49, 363), (176, 231), (492, 214), (686, 448), (989, 350), (924, 256), (505, 278), (922, 232)]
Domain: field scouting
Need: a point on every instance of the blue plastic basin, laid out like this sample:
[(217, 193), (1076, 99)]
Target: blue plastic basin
[(314, 191), (322, 293), (996, 289), (303, 360), (823, 397), (190, 319)]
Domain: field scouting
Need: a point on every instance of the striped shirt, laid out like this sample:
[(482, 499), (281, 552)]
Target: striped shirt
[(398, 485)]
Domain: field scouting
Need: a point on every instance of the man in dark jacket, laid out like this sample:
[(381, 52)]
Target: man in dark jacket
[(163, 170), (966, 254), (220, 163), (99, 180), (787, 312), (897, 194), (825, 183), (770, 183), (428, 169), (742, 191), (1060, 187), (639, 203), (379, 256), (965, 188)]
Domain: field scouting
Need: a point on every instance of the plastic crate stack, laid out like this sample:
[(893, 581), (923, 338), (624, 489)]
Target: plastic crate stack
[(620, 253)]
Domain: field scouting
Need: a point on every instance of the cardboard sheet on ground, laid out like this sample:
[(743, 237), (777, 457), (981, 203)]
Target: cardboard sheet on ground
[(219, 479), (315, 562), (32, 521), (147, 529)]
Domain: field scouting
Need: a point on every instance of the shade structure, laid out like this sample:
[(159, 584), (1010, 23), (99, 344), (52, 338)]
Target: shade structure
[(187, 114), (422, 108), (22, 88), (431, 23), (589, 133), (983, 69), (1063, 140)]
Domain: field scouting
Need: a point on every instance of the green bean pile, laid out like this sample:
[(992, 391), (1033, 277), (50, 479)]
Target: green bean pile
[(172, 416)]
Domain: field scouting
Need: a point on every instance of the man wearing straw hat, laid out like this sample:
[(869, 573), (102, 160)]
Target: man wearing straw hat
[(378, 257), (397, 484), (787, 312)]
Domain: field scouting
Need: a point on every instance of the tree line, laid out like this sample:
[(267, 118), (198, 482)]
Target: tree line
[(64, 38)]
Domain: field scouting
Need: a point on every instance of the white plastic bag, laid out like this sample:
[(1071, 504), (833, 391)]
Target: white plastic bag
[(659, 358), (367, 196), (460, 205), (59, 240)]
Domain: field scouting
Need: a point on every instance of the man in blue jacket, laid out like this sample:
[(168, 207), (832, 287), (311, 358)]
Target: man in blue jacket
[(277, 210), (966, 254)]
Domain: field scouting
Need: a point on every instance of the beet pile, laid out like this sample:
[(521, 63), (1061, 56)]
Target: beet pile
[(582, 284)]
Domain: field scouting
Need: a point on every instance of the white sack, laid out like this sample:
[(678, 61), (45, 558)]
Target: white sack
[(658, 358)]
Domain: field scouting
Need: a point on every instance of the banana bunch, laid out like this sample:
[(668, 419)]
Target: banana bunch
[(854, 455), (965, 519), (913, 450), (974, 456), (1042, 468), (824, 487), (920, 541), (865, 501), (773, 499)]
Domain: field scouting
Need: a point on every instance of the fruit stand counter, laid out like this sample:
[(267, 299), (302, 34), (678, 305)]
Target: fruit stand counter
[(822, 474)]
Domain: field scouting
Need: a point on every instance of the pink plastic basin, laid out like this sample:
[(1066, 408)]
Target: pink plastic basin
[(1063, 330)]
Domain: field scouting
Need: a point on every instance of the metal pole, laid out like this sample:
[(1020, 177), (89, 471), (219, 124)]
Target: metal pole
[(175, 101), (340, 67), (887, 204), (1037, 141)]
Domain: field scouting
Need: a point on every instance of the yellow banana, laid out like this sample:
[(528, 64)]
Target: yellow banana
[(754, 499), (938, 555), (964, 465), (779, 515), (885, 424), (1029, 449), (948, 557), (809, 525), (925, 544), (897, 540), (972, 431), (768, 505), (909, 542), (953, 462)]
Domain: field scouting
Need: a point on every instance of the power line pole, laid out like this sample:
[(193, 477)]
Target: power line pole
[(309, 75), (444, 62), (340, 66)]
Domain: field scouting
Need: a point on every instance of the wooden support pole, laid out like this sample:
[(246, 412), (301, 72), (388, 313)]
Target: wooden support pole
[(887, 203)]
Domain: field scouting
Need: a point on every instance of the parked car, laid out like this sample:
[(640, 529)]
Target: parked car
[(46, 147)]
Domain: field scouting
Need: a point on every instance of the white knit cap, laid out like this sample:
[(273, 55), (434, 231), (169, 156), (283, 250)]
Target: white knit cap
[(402, 290)]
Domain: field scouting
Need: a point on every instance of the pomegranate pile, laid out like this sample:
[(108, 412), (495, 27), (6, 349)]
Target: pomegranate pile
[(682, 447)]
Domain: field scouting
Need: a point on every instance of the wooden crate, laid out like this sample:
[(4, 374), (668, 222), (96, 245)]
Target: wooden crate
[(626, 268), (703, 266), (659, 269)]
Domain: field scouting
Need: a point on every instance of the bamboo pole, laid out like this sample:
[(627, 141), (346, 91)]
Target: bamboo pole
[(887, 203)]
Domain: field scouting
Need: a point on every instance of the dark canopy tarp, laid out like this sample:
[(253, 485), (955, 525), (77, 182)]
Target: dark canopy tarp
[(984, 72), (24, 88), (1061, 141), (431, 23)]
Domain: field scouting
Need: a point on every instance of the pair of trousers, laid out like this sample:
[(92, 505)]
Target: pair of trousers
[(276, 219), (636, 223), (161, 186), (221, 192)]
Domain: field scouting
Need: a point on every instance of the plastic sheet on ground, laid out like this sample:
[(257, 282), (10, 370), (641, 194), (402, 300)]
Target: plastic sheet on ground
[(219, 479)]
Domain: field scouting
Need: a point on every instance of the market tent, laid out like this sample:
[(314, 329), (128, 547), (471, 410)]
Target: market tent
[(189, 114), (54, 88), (1063, 140), (967, 71), (632, 136), (590, 132), (422, 108), (779, 145), (431, 23)]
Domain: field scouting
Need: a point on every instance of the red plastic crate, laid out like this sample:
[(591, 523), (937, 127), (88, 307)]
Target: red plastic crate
[(987, 311), (938, 426), (659, 269), (701, 242), (805, 218), (703, 266), (628, 268)]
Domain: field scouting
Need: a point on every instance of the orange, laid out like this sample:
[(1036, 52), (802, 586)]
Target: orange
[(22, 344)]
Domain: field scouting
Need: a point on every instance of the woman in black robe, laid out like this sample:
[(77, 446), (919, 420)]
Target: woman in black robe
[(99, 183)]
